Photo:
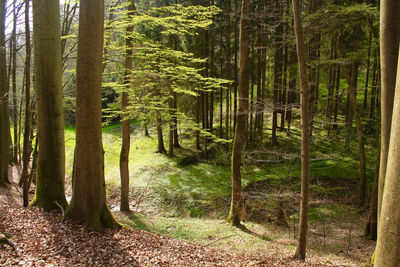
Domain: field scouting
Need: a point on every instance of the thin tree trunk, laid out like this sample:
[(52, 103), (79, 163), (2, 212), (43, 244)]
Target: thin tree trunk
[(252, 80), (227, 69), (292, 88), (126, 133), (171, 129), (161, 147), (27, 148), (374, 88), (352, 81), (371, 229), (367, 74), (14, 85), (235, 49), (241, 126), (4, 116), (305, 134), (337, 97)]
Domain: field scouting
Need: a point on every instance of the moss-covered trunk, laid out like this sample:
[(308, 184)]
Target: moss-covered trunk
[(50, 113), (88, 203)]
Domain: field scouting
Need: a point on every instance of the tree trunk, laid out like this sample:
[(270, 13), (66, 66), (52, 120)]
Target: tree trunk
[(389, 50), (292, 88), (50, 114), (352, 82), (387, 252), (374, 87), (14, 85), (4, 116), (371, 229), (126, 133), (227, 68), (305, 134), (161, 147), (27, 147), (171, 127), (368, 67), (241, 125), (337, 97), (88, 202)]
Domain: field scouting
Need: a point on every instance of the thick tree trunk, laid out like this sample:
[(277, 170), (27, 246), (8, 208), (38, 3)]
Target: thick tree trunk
[(389, 50), (387, 252), (241, 125), (88, 202), (50, 114), (4, 116), (305, 134)]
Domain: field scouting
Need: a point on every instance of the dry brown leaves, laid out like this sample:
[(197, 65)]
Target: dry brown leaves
[(43, 239)]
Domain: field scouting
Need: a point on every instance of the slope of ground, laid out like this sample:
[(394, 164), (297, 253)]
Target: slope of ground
[(48, 239)]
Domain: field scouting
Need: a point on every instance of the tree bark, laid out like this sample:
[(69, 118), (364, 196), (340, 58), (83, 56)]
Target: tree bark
[(241, 125), (227, 68), (88, 203), (387, 252), (50, 113), (4, 116), (305, 134), (368, 67), (126, 133), (161, 147), (27, 143), (389, 50), (352, 82), (371, 229)]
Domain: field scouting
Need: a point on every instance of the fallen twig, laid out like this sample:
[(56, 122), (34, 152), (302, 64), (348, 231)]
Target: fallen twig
[(5, 240), (62, 210)]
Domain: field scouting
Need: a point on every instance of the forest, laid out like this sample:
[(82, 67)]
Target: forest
[(199, 133)]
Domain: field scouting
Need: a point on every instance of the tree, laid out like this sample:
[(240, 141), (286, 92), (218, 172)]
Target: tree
[(50, 114), (4, 116), (27, 142), (305, 133), (126, 133), (389, 50), (387, 251), (241, 124), (88, 201)]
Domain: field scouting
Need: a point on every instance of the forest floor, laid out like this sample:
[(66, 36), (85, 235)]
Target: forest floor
[(179, 204), (48, 239)]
